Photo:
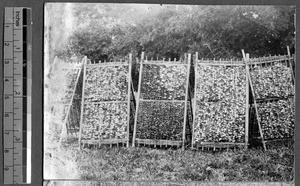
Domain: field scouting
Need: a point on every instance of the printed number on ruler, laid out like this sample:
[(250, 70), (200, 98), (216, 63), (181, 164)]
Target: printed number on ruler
[(17, 95)]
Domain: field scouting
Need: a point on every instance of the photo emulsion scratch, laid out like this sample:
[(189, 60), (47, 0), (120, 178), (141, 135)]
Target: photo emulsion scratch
[(168, 94)]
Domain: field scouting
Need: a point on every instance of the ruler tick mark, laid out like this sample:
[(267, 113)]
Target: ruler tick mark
[(15, 48)]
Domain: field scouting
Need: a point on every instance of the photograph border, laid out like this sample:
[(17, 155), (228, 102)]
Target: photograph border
[(37, 7)]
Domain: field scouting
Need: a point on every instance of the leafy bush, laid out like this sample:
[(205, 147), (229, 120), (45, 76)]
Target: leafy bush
[(220, 109)]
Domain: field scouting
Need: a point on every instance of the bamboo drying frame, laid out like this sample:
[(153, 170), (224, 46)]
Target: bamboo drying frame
[(83, 103), (65, 126), (246, 126), (267, 61), (161, 142), (66, 123), (258, 116)]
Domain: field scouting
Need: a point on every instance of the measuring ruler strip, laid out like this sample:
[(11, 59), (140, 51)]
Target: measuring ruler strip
[(17, 95)]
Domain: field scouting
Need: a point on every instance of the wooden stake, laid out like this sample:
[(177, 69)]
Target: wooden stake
[(290, 64), (255, 105), (138, 99), (244, 55), (195, 98), (185, 104), (132, 92), (128, 94), (192, 111), (65, 124), (288, 51), (82, 101), (247, 104)]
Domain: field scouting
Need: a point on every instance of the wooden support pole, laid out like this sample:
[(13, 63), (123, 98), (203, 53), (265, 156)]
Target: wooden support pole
[(290, 64), (186, 97), (191, 107), (288, 51), (255, 104), (142, 56), (82, 101), (190, 99), (195, 98), (128, 94), (138, 99), (133, 95), (65, 124), (247, 105), (244, 55)]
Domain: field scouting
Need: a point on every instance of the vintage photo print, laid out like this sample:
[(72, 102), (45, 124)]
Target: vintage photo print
[(169, 93)]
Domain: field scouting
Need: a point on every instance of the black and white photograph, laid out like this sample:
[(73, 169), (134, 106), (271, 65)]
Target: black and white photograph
[(168, 94)]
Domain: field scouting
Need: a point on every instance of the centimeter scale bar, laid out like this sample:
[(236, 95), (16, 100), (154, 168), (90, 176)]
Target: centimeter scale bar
[(17, 95)]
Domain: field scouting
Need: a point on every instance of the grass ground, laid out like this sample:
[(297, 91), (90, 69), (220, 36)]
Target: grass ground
[(140, 163), (119, 183)]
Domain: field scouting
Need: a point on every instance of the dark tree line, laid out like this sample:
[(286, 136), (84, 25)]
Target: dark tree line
[(109, 31)]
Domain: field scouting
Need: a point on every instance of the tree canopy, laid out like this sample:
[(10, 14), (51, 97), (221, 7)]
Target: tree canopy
[(108, 31)]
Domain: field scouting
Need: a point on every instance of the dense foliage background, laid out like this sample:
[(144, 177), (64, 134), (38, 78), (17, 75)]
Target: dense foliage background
[(109, 31)]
